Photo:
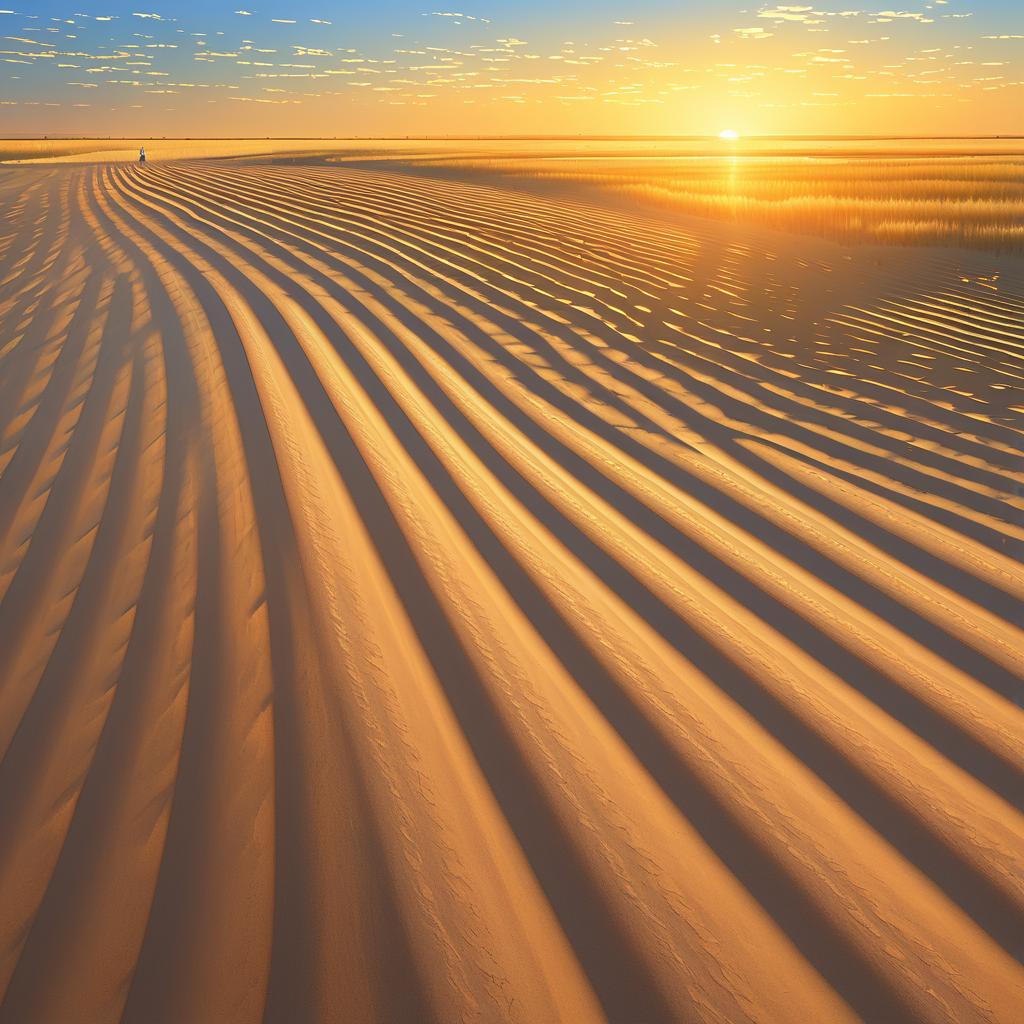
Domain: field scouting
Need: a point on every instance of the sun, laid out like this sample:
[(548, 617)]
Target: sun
[(728, 133)]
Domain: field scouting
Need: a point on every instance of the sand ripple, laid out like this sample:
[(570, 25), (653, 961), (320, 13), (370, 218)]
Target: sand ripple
[(426, 602)]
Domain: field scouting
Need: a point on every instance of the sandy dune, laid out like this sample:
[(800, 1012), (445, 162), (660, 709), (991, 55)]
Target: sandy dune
[(421, 601)]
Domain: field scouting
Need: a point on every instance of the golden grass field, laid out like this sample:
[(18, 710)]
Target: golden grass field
[(925, 193), (433, 594)]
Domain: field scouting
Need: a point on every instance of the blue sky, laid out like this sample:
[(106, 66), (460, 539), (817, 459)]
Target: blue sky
[(401, 67)]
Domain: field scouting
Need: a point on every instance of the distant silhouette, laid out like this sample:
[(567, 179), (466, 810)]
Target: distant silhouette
[(142, 154)]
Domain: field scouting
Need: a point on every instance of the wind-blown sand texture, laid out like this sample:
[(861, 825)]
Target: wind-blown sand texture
[(423, 601)]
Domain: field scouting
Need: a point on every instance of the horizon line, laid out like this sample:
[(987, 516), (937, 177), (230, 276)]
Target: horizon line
[(457, 137)]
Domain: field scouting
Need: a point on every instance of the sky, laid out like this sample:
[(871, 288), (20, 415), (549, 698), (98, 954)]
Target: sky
[(291, 68)]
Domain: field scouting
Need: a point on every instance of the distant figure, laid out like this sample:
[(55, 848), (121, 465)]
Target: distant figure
[(142, 154)]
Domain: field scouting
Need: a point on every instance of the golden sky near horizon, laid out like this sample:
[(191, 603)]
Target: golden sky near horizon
[(938, 67)]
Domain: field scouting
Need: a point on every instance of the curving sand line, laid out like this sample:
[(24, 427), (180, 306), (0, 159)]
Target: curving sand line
[(426, 602)]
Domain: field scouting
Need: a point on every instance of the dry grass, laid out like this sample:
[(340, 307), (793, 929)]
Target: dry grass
[(924, 198), (955, 219)]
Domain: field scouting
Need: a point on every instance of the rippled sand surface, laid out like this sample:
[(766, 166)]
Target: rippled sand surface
[(422, 600)]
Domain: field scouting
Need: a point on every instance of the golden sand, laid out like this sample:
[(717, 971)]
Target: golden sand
[(427, 601)]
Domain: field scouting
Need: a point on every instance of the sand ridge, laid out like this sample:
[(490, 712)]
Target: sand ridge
[(423, 600)]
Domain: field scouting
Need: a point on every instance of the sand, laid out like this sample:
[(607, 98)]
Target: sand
[(428, 601)]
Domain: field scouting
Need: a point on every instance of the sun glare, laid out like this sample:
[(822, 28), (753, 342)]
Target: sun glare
[(728, 133)]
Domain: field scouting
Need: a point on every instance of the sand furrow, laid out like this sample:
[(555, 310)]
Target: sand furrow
[(393, 328), (761, 556), (436, 919), (911, 802), (210, 956), (449, 576), (367, 230), (427, 601)]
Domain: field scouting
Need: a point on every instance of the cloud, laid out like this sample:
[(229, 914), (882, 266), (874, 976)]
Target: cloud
[(454, 14), (883, 16), (806, 15)]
